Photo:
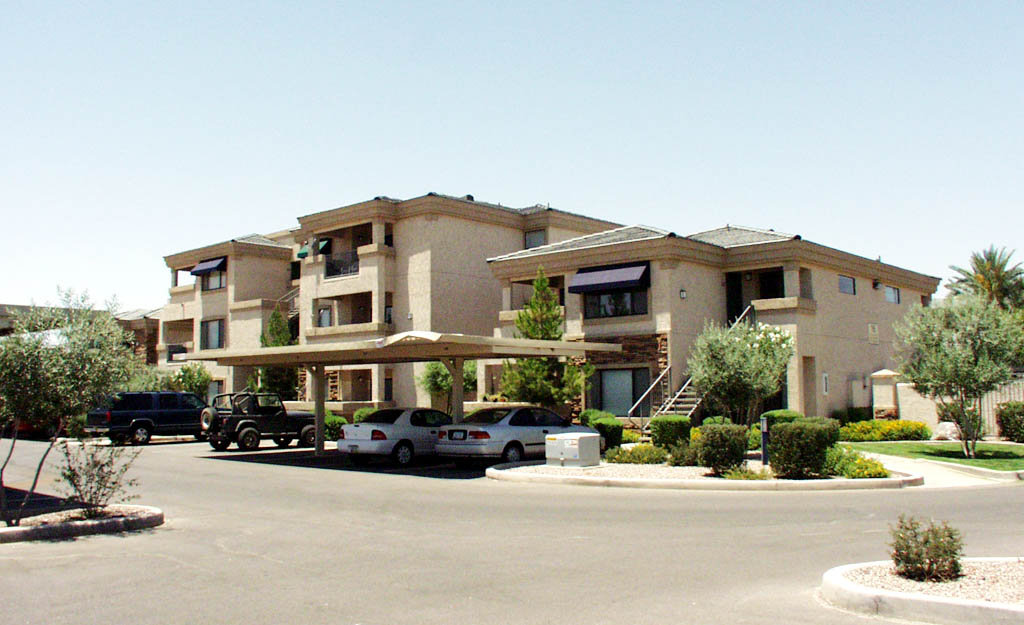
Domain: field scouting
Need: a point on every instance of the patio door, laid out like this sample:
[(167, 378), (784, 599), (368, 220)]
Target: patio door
[(620, 388)]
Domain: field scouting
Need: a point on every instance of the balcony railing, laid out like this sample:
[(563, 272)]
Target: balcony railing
[(173, 349), (341, 264)]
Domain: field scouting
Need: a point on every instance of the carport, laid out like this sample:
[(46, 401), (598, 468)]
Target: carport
[(452, 350)]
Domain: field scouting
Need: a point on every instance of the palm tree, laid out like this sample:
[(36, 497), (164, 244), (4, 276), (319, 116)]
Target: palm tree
[(991, 276)]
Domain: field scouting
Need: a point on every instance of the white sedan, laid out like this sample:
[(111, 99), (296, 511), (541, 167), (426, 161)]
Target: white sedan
[(510, 434), (400, 433)]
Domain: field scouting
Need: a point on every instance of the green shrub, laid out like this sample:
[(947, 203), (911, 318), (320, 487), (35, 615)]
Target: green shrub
[(684, 455), (669, 430), (644, 453), (798, 449), (830, 424), (592, 414), (845, 462), (362, 413), (1010, 417), (852, 415), (719, 420), (781, 416), (722, 447), (926, 553), (630, 436), (883, 430), (754, 438), (744, 473), (610, 428), (76, 428), (332, 426)]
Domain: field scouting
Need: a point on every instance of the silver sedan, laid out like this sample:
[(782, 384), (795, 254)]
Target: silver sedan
[(511, 434)]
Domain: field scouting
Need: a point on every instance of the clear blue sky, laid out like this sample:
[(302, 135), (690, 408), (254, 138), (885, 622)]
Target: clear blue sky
[(131, 130)]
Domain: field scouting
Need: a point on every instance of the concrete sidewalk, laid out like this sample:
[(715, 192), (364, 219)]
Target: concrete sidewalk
[(936, 474)]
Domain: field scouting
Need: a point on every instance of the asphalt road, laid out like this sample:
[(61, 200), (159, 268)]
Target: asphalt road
[(279, 537)]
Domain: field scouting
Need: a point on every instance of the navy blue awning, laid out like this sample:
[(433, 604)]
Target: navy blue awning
[(610, 277), (209, 266)]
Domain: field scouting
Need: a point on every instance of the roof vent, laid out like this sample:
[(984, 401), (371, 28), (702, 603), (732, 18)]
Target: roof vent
[(468, 197)]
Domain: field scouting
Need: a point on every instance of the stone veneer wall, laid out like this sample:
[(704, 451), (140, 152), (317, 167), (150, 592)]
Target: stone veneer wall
[(637, 349)]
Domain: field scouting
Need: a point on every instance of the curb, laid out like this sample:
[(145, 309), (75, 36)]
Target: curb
[(842, 593), (500, 472), (150, 517), (992, 474)]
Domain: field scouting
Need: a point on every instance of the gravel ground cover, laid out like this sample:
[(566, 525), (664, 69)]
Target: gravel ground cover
[(110, 512), (1001, 582)]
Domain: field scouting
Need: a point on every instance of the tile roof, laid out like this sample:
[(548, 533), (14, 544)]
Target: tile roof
[(625, 234), (734, 236), (258, 239), (139, 313)]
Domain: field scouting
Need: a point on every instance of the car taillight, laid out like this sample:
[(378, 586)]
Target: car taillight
[(441, 435), (377, 435), (479, 435), (109, 417), (341, 435)]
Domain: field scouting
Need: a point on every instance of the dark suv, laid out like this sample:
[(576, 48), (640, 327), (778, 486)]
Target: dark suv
[(247, 418), (136, 417)]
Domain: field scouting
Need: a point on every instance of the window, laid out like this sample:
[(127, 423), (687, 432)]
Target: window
[(323, 317), (168, 401), (214, 280), (216, 388), (523, 418), (212, 334), (389, 389), (548, 419), (616, 390), (535, 238), (824, 384), (614, 304), (892, 295), (296, 269), (192, 402), (388, 312), (847, 285)]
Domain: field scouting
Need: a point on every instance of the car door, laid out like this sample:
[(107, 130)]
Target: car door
[(192, 409), (167, 416), (434, 419), (419, 431), (547, 423), (522, 427)]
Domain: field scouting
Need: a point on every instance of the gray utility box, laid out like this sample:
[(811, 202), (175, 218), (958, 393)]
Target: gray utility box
[(576, 449)]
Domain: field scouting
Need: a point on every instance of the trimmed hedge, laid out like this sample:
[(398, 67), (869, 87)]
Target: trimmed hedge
[(630, 436), (722, 447), (781, 416), (882, 430), (670, 430), (638, 454), (684, 455), (593, 414), (332, 426), (754, 438), (1010, 417), (799, 449), (610, 428)]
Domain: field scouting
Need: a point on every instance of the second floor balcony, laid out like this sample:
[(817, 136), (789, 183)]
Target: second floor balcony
[(341, 264)]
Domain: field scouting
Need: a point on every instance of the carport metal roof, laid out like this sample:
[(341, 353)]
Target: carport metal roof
[(450, 349)]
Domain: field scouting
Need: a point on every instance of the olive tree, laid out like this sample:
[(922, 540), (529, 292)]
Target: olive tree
[(957, 352), (737, 368), (437, 380), (58, 363), (192, 378)]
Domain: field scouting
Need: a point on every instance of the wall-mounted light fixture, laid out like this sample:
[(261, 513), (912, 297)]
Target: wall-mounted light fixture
[(876, 284), (748, 276), (682, 293)]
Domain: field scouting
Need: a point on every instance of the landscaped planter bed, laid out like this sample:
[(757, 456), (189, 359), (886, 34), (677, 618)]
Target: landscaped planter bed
[(71, 523)]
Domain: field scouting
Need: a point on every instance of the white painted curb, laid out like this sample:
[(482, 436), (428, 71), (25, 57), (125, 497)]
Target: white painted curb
[(837, 590), (501, 472), (150, 517)]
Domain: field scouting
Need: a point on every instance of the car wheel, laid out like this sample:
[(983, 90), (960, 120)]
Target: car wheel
[(201, 437), (402, 454), (249, 439), (141, 435), (283, 441), (206, 418), (359, 461), (308, 436), (220, 444), (513, 453)]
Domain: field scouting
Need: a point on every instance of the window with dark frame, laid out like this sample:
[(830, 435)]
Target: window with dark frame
[(211, 334), (619, 303), (535, 238), (892, 295), (215, 280), (847, 285), (323, 317), (296, 269)]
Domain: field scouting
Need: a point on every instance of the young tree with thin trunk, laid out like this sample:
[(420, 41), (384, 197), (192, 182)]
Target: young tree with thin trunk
[(58, 363)]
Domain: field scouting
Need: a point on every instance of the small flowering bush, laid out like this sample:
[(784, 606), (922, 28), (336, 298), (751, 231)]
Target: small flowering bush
[(737, 368), (638, 454), (881, 430), (926, 553)]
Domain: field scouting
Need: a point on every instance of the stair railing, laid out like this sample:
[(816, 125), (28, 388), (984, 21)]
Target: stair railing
[(668, 403), (650, 388), (291, 299)]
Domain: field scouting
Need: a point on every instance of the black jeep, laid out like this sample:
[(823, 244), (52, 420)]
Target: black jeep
[(247, 418)]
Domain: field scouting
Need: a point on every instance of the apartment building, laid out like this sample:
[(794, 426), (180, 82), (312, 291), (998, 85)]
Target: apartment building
[(361, 271), (653, 292)]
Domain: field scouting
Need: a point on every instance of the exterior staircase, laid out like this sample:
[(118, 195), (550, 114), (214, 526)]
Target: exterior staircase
[(290, 302)]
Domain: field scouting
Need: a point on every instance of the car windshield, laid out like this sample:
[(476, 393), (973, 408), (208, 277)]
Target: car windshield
[(487, 416), (383, 416)]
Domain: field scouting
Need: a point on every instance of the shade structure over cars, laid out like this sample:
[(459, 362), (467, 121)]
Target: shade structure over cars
[(452, 350)]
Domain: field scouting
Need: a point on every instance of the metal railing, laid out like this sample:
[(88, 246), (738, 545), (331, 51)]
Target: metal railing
[(670, 401), (341, 264), (290, 302), (662, 380), (175, 348)]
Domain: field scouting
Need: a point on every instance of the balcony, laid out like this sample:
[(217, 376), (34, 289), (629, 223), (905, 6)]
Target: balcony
[(341, 264), (801, 305)]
